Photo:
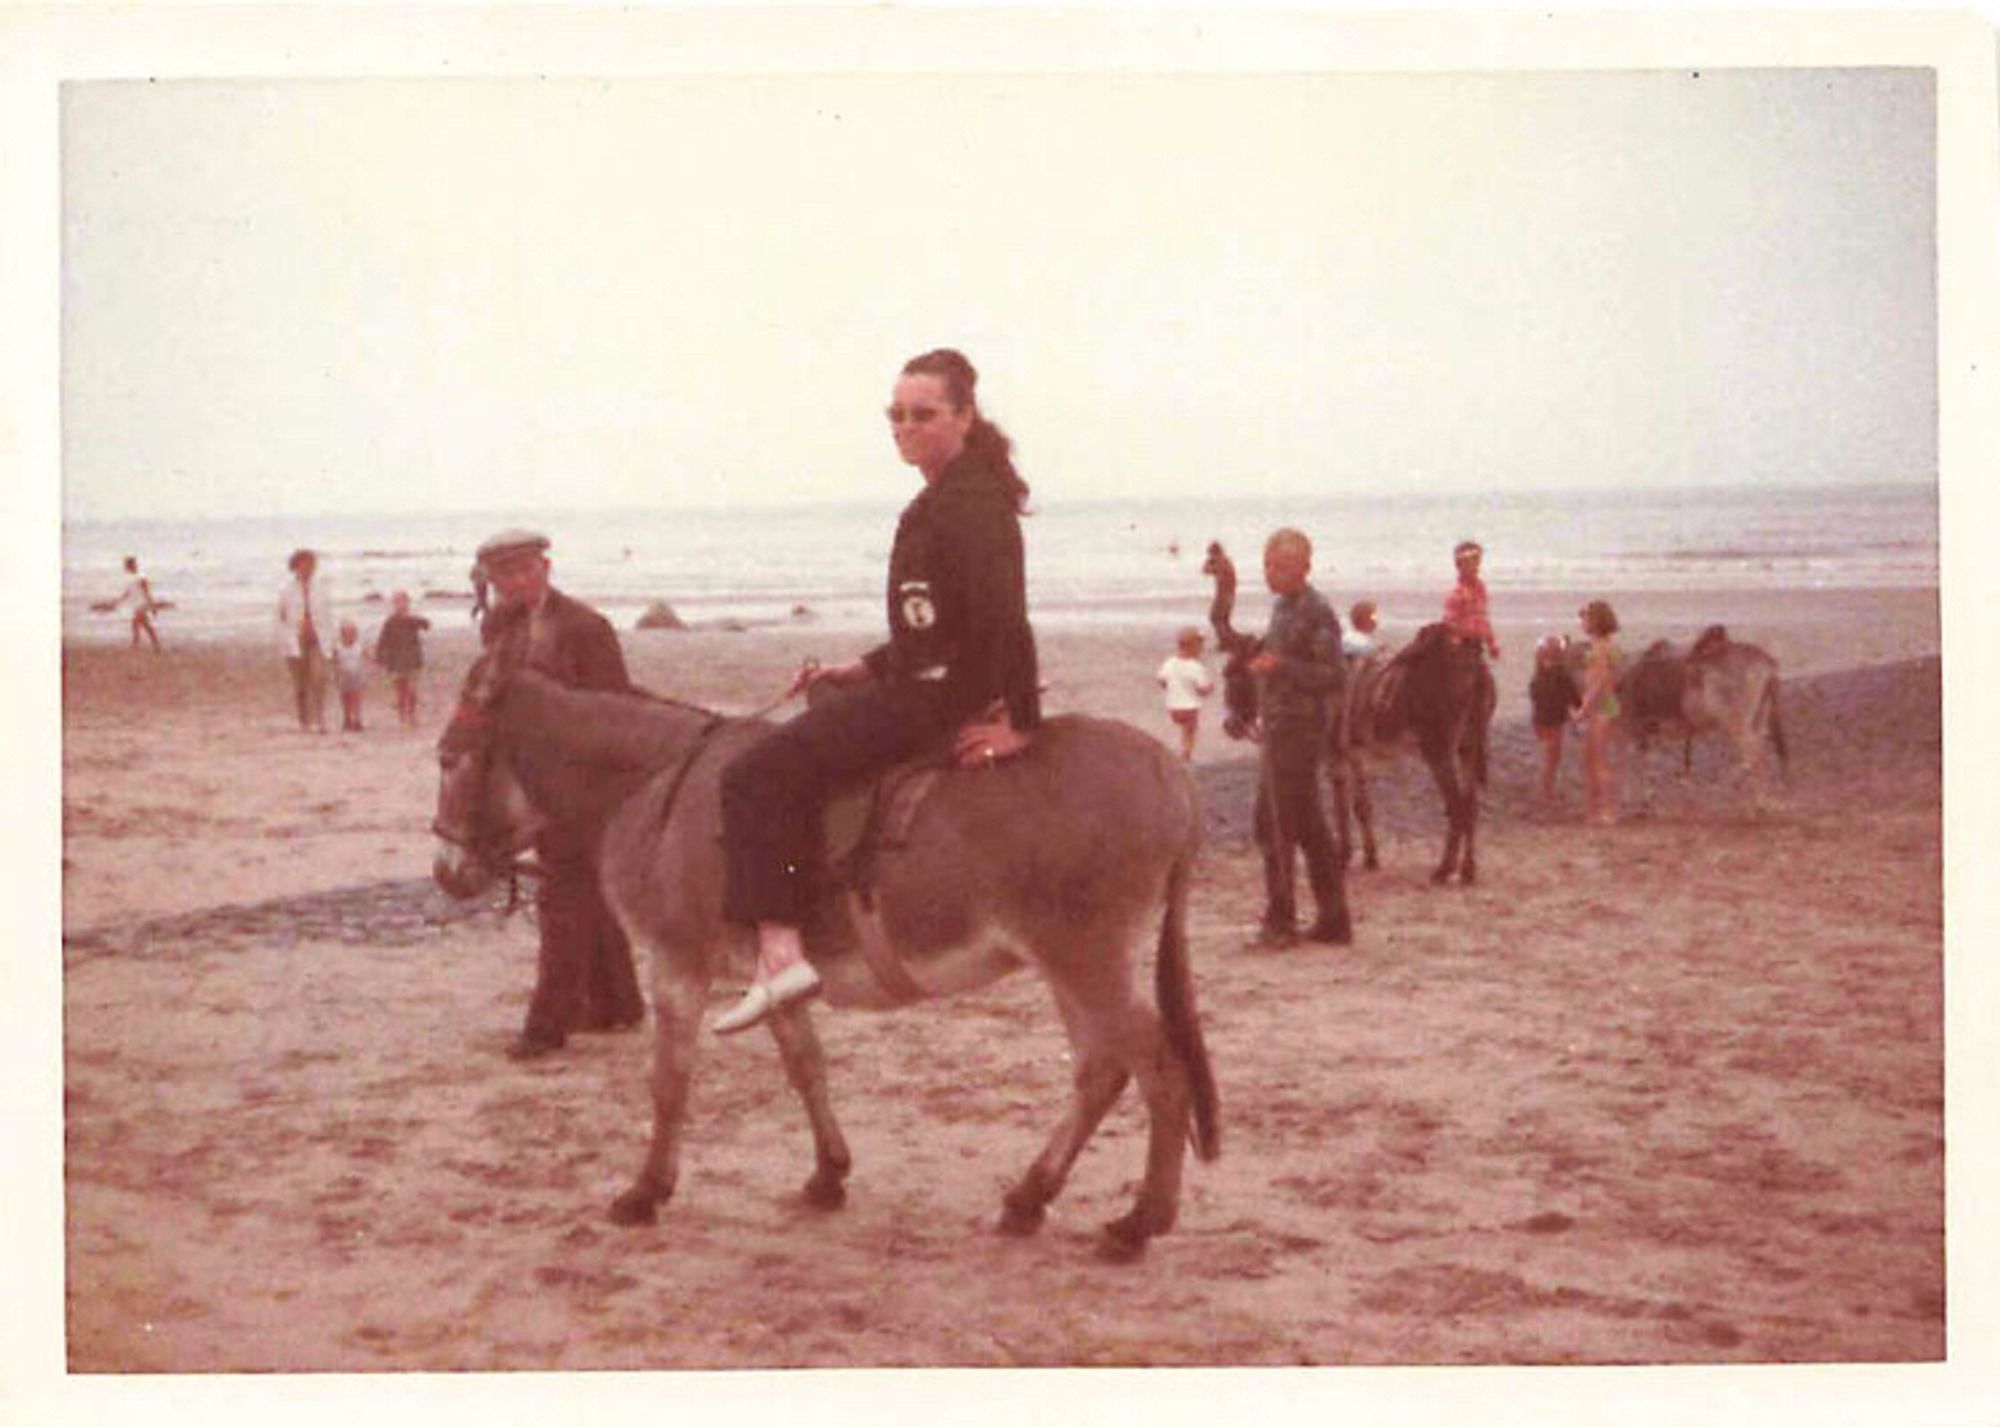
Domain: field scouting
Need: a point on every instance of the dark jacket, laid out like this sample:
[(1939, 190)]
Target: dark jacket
[(958, 603), (399, 645), (1305, 635), (1554, 695), (571, 643)]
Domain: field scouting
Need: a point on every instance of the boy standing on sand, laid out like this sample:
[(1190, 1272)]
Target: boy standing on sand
[(1553, 697), (399, 649), (1187, 682)]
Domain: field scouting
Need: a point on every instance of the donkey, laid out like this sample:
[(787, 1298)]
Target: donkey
[(1716, 685), (1444, 714), (1065, 858), (1434, 696)]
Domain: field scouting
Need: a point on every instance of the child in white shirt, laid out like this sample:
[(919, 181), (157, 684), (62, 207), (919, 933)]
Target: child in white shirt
[(1187, 682), (1359, 641), (349, 669)]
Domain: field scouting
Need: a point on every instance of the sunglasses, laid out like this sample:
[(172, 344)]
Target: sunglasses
[(912, 415)]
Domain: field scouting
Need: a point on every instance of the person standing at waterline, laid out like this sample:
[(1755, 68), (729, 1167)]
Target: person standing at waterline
[(140, 593), (305, 623), (960, 656)]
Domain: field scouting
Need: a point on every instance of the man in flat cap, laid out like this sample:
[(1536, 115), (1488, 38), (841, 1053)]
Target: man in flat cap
[(583, 977)]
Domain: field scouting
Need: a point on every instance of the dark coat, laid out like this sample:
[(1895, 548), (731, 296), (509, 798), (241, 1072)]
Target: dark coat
[(584, 976), (399, 644), (1554, 696), (1304, 634), (958, 598), (572, 643)]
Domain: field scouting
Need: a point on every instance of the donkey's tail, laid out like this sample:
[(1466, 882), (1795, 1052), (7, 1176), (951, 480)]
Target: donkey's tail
[(1174, 983)]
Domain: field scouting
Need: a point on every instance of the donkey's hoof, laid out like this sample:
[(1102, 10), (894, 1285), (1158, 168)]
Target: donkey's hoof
[(1020, 1220), (635, 1206), (1337, 930), (824, 1191), (1123, 1240)]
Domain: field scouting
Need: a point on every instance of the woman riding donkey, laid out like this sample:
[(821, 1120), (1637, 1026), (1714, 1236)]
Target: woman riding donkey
[(960, 656)]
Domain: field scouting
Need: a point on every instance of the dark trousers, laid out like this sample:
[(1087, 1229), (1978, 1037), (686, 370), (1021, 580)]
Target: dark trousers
[(308, 670), (584, 977), (1290, 775), (775, 790)]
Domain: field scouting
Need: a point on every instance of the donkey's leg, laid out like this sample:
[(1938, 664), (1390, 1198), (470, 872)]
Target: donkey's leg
[(1750, 772), (1639, 764), (1339, 786), (1444, 772), (1135, 1033), (1468, 813), (805, 1067), (1099, 1081), (1364, 810), (677, 1006), (1115, 1036)]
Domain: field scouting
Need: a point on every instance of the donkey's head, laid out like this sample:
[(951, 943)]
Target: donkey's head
[(484, 821)]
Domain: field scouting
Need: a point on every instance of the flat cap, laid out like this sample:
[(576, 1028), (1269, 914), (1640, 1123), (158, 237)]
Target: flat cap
[(509, 543)]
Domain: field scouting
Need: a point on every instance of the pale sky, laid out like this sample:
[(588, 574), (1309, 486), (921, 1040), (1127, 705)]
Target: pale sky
[(297, 296)]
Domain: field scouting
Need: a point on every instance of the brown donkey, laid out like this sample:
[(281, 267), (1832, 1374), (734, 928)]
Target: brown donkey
[(1069, 858)]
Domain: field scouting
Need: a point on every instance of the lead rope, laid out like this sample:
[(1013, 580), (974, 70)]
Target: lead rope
[(807, 668), (517, 869)]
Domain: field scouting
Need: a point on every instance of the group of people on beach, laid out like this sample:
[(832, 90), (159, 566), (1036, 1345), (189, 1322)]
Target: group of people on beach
[(958, 671), (1572, 688), (315, 646)]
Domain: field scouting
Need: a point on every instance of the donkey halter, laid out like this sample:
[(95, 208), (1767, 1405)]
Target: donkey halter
[(468, 733)]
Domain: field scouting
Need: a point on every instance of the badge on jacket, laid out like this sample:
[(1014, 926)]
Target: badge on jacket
[(915, 598)]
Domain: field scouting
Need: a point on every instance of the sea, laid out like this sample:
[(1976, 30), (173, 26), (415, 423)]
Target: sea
[(1088, 561)]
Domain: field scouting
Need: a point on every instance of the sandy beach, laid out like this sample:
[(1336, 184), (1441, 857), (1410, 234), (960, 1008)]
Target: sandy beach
[(1669, 1093)]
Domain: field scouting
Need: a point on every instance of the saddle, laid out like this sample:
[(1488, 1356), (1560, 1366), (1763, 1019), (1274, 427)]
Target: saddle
[(1381, 714), (1711, 644), (871, 816), (858, 826), (1372, 684), (862, 822)]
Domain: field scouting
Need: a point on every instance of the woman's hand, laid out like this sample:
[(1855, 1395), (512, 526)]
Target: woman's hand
[(980, 745), (1264, 663), (813, 672)]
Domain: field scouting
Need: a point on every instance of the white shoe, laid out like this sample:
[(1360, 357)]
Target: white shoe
[(795, 983)]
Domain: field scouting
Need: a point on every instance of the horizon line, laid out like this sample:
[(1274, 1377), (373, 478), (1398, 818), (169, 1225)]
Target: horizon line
[(781, 504)]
